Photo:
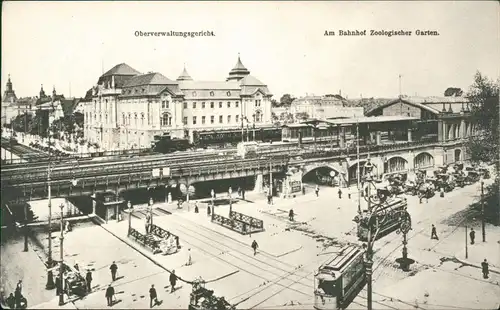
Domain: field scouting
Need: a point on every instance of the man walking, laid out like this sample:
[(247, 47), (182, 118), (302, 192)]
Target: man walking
[(290, 215), (316, 190), (472, 235), (110, 292), (434, 233), (485, 268), (173, 281), (340, 193), (113, 269), (88, 278), (255, 246), (153, 298), (189, 260)]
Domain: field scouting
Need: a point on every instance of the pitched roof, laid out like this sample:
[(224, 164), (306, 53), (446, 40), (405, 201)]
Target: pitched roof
[(153, 78), (208, 85), (250, 80), (184, 76), (121, 69), (69, 105)]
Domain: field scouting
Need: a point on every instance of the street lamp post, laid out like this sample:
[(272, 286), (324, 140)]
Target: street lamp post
[(405, 227), (129, 205), (50, 278), (151, 211), (230, 191), (61, 264), (25, 227), (483, 229)]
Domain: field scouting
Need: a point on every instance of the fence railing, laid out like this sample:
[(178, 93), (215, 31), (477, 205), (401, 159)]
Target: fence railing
[(146, 241), (253, 224), (232, 224), (161, 233)]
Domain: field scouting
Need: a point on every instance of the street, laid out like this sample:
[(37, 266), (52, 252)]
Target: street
[(280, 275)]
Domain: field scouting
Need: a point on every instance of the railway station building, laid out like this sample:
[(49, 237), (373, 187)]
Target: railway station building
[(126, 108)]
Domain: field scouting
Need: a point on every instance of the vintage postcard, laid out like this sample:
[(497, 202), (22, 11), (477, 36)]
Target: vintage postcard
[(250, 155)]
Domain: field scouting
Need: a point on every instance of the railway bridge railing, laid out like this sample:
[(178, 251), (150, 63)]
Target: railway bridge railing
[(253, 225)]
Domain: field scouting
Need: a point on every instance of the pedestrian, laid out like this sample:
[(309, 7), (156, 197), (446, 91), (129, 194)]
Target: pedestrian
[(441, 192), (173, 280), (317, 190), (340, 193), (88, 278), (239, 191), (208, 210), (349, 193), (153, 298), (290, 215), (434, 233), (19, 286), (177, 243), (189, 260), (146, 223), (77, 268), (11, 301), (18, 298), (303, 190), (196, 210), (485, 267), (110, 293), (113, 269), (255, 246), (243, 193), (472, 235)]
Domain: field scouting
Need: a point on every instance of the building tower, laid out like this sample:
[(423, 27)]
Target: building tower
[(184, 75), (42, 92), (9, 95), (238, 72)]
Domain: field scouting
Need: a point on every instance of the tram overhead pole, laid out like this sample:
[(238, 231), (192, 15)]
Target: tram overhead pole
[(359, 170), (61, 266), (483, 229)]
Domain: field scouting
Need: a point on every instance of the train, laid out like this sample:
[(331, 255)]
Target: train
[(339, 280), (214, 138), (387, 216)]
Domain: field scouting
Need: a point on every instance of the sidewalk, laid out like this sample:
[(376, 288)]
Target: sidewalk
[(26, 266)]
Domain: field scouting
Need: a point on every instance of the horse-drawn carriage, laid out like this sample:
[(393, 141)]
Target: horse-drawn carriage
[(444, 181), (74, 282), (202, 298)]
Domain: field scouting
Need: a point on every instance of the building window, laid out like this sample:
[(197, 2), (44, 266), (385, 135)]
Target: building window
[(142, 118), (203, 105), (237, 118), (185, 105), (228, 104), (258, 117), (166, 120), (220, 119), (135, 118), (165, 104), (106, 118), (185, 120), (257, 103), (203, 120), (228, 94), (212, 119), (194, 94), (229, 119), (128, 119), (211, 105), (194, 120), (237, 104), (194, 105), (220, 105)]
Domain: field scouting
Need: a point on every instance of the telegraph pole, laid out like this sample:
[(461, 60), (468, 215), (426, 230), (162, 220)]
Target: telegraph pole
[(466, 246), (482, 212), (369, 252), (25, 227), (61, 265), (50, 279), (270, 178), (359, 171), (129, 205)]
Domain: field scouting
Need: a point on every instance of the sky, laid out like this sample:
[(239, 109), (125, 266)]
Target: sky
[(69, 44)]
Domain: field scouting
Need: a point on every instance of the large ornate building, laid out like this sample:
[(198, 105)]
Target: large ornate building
[(127, 109)]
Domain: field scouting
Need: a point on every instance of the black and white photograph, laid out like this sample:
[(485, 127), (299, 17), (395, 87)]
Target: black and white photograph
[(224, 155)]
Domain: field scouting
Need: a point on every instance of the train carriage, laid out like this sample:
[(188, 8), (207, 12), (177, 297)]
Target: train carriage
[(387, 216), (340, 279)]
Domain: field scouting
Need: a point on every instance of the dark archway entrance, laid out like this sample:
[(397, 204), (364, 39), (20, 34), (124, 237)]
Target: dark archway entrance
[(458, 155), (323, 176)]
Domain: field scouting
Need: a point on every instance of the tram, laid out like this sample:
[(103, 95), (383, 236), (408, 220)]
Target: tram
[(165, 144), (387, 216), (340, 279), (233, 136)]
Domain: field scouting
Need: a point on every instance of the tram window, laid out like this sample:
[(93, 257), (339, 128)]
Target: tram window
[(328, 287)]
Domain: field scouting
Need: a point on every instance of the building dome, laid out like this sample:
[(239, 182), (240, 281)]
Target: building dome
[(238, 72)]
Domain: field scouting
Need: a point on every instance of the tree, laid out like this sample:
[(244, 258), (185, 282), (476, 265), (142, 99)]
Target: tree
[(274, 103), (453, 92), (484, 147), (286, 100)]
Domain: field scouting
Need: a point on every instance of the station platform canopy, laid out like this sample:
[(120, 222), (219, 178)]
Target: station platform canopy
[(358, 120)]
